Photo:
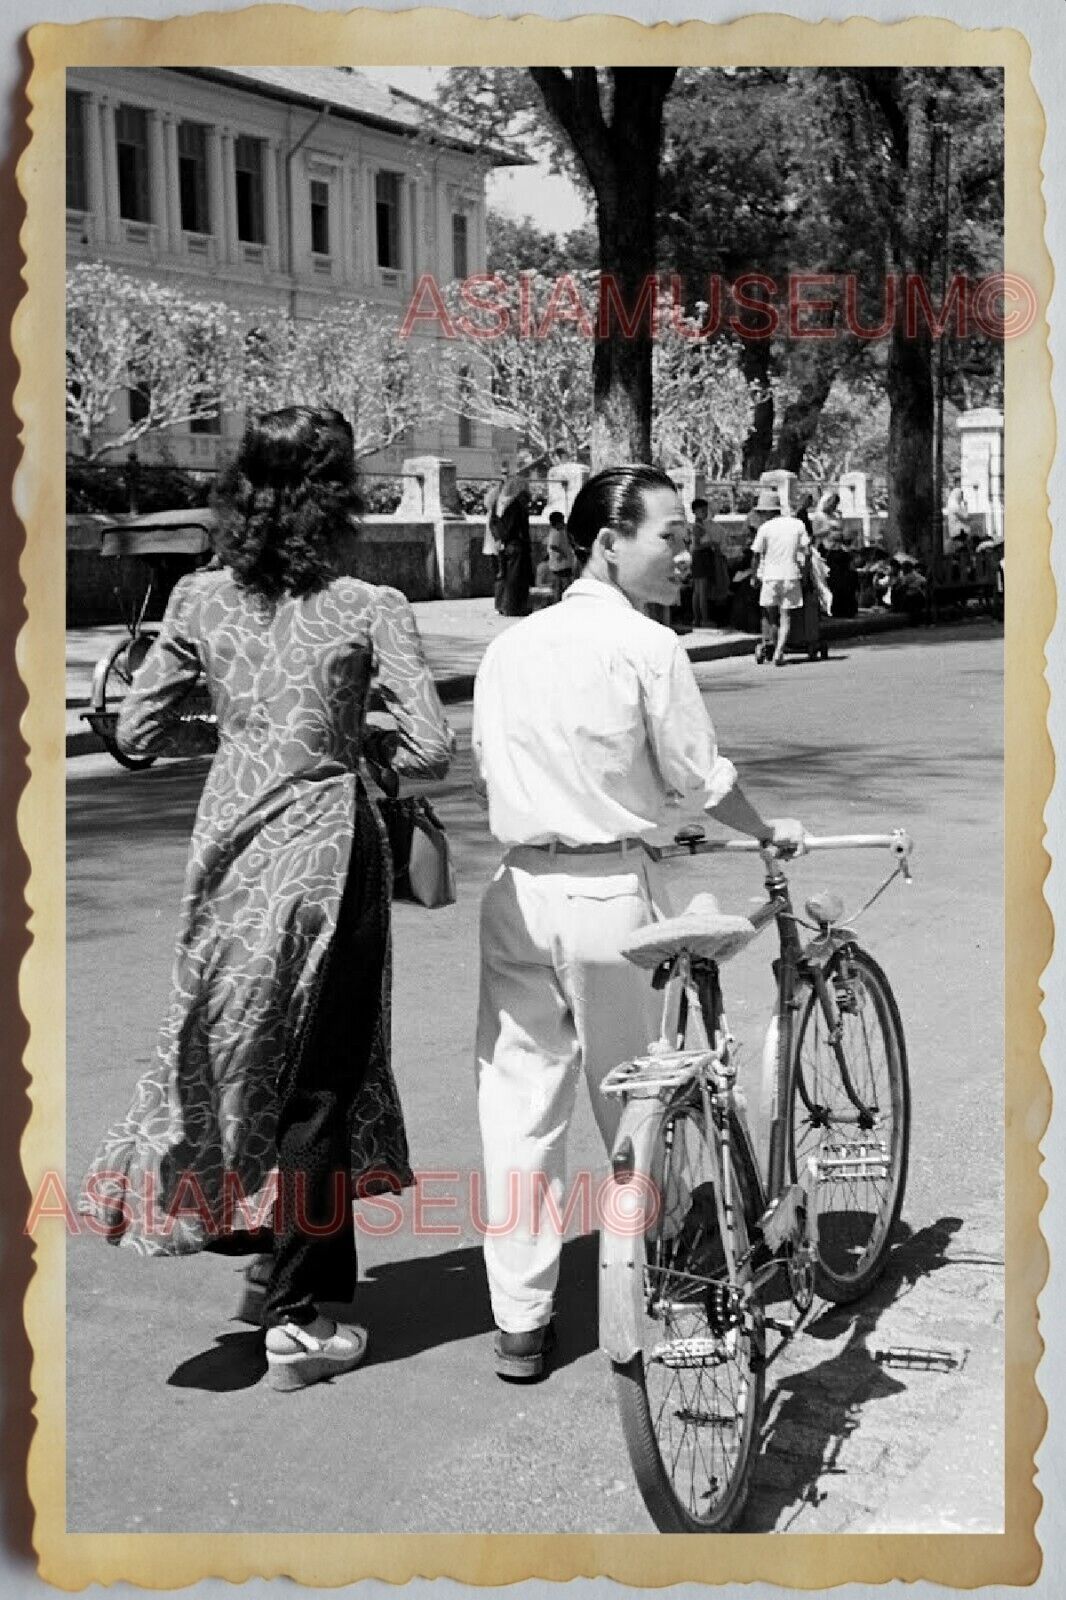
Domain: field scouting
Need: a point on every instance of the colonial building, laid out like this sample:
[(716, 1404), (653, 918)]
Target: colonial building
[(278, 187)]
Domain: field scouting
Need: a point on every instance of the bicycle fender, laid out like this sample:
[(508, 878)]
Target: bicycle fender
[(629, 1207)]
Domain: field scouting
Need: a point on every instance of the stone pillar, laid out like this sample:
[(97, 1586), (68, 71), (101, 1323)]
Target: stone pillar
[(158, 180), (216, 193), (112, 220), (413, 216), (370, 252), (271, 218), (429, 489), (783, 483), (172, 181), (853, 503), (95, 167), (230, 250), (981, 465), (431, 494), (564, 481), (344, 251), (689, 484)]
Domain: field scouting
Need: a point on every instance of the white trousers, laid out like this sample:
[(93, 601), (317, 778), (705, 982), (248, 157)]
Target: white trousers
[(556, 999)]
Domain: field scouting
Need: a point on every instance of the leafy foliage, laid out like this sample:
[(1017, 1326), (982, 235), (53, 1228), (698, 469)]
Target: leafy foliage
[(536, 378), (348, 357), (126, 335)]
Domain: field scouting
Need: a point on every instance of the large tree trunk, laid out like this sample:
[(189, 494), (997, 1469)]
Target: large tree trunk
[(813, 378), (911, 507), (622, 355), (759, 445), (616, 130), (908, 110)]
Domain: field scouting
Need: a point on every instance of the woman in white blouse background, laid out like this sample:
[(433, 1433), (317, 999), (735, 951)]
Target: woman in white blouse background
[(589, 735)]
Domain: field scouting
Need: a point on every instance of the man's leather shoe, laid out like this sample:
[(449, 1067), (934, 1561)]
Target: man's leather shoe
[(523, 1356)]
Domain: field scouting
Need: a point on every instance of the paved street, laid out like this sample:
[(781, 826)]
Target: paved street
[(168, 1426)]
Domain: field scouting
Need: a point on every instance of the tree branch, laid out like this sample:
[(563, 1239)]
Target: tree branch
[(573, 100)]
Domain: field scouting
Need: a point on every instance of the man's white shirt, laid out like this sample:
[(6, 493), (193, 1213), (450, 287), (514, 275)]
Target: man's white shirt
[(778, 544), (589, 726)]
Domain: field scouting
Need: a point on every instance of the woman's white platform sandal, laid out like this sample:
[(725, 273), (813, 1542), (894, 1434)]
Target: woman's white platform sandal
[(296, 1356)]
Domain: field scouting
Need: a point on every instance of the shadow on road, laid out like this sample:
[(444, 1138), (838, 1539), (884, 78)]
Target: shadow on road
[(236, 1361), (814, 1413), (419, 1305), (429, 1301)]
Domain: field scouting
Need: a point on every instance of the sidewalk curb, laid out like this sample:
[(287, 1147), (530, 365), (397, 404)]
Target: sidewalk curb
[(459, 686)]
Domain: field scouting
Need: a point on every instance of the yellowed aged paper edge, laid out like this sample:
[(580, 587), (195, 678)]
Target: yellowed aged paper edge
[(296, 36)]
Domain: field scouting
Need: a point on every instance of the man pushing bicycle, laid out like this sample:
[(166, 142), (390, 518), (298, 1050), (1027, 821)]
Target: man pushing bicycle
[(589, 735)]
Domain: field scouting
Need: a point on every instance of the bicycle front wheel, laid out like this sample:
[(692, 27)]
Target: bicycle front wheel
[(860, 1150), (691, 1399)]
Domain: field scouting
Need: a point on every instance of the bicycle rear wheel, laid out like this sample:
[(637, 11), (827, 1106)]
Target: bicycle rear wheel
[(861, 1161), (691, 1399)]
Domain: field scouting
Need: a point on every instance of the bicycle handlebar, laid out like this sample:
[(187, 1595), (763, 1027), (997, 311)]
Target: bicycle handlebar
[(899, 842)]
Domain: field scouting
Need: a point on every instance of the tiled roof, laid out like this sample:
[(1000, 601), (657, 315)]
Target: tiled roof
[(350, 92)]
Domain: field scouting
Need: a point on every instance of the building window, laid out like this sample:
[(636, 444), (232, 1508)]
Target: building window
[(77, 155), (388, 219), (131, 141), (248, 160), (140, 401), (466, 426), (210, 425), (460, 256), (192, 177), (320, 218)]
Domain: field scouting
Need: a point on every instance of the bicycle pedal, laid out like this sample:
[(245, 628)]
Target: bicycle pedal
[(701, 1350), (844, 1162)]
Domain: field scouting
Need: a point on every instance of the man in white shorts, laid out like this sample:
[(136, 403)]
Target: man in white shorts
[(780, 545)]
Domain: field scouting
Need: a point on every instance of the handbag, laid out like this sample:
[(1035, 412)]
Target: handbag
[(422, 867)]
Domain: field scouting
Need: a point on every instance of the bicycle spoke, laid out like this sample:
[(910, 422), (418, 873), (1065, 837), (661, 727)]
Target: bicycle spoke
[(697, 1369), (860, 1155)]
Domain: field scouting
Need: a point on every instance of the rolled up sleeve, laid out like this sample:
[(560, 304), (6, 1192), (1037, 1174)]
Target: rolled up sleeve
[(682, 736)]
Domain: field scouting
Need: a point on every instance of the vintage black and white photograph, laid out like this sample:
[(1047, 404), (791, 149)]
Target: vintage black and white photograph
[(534, 799)]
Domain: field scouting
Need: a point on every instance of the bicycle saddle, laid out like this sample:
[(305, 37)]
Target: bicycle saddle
[(701, 929)]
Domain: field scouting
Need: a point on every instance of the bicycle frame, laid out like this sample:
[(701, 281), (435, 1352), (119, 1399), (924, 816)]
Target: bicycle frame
[(689, 1059)]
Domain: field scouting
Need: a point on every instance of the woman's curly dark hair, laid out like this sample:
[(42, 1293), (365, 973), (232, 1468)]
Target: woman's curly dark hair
[(287, 498)]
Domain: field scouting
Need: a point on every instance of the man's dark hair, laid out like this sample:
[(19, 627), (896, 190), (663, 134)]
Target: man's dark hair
[(283, 503), (614, 499), (557, 520), (700, 504)]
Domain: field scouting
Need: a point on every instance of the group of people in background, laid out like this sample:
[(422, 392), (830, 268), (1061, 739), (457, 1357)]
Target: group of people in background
[(811, 557)]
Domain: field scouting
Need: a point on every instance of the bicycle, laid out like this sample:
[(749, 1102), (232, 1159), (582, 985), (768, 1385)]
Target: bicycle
[(167, 544), (703, 1234)]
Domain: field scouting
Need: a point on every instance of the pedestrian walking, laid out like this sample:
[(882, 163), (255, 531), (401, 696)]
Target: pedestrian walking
[(842, 577), (711, 583), (956, 514), (274, 1052), (780, 545), (509, 526), (560, 556), (589, 733)]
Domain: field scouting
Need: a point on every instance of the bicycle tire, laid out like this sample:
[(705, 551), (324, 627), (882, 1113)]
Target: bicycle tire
[(854, 1239), (677, 1436), (122, 662)]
